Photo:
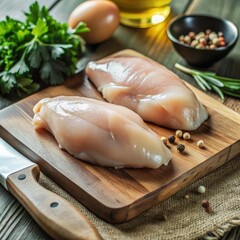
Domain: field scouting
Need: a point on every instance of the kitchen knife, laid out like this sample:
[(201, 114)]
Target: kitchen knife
[(55, 215)]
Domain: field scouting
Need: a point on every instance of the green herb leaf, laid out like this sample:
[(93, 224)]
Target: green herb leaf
[(27, 85), (56, 52), (204, 82), (53, 72), (24, 82), (214, 81), (218, 91), (211, 81), (7, 82), (199, 82), (80, 28), (35, 57), (20, 67), (35, 13), (233, 94), (40, 28)]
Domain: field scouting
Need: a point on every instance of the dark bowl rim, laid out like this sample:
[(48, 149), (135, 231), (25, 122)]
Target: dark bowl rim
[(175, 40)]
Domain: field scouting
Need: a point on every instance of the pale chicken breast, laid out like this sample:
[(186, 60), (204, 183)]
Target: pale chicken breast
[(101, 133), (148, 88)]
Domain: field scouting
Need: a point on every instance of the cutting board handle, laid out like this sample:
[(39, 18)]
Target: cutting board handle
[(55, 215)]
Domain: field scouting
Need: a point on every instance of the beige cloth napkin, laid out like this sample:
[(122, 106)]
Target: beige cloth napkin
[(179, 217)]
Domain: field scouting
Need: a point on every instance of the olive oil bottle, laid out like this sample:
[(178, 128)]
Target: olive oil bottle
[(143, 13)]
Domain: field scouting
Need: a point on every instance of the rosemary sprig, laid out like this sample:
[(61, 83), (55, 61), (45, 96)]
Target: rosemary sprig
[(211, 81)]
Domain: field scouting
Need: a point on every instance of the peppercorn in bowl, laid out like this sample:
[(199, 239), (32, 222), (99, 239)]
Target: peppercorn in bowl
[(202, 40)]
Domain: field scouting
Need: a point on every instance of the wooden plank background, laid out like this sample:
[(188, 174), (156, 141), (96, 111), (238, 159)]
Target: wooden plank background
[(15, 222)]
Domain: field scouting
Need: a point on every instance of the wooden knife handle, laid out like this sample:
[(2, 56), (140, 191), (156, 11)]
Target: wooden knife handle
[(55, 215)]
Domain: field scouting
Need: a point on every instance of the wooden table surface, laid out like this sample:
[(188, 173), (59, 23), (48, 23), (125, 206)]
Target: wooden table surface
[(15, 222)]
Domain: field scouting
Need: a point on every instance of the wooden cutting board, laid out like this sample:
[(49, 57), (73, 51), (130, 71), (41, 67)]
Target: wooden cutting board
[(120, 195)]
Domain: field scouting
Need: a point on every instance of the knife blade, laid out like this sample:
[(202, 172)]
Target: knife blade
[(59, 218)]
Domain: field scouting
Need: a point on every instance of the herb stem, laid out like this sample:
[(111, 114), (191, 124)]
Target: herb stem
[(211, 81), (185, 69)]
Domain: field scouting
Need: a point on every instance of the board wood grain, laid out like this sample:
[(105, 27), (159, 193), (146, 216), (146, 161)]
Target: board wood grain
[(118, 195)]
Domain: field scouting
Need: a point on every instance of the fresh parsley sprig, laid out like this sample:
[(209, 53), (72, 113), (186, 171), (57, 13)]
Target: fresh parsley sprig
[(211, 81), (38, 51)]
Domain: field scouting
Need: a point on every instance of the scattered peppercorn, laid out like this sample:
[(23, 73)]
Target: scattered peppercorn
[(186, 196), (180, 147), (179, 133), (206, 206), (186, 136), (203, 40), (200, 143), (171, 138), (201, 189), (164, 139)]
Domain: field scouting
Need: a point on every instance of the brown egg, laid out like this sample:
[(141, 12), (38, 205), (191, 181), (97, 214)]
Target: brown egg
[(101, 16)]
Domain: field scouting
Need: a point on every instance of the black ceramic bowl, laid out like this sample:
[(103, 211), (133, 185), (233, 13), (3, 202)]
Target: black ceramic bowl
[(184, 24)]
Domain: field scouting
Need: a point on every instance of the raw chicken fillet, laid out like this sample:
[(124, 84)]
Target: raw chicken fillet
[(101, 133), (148, 88)]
